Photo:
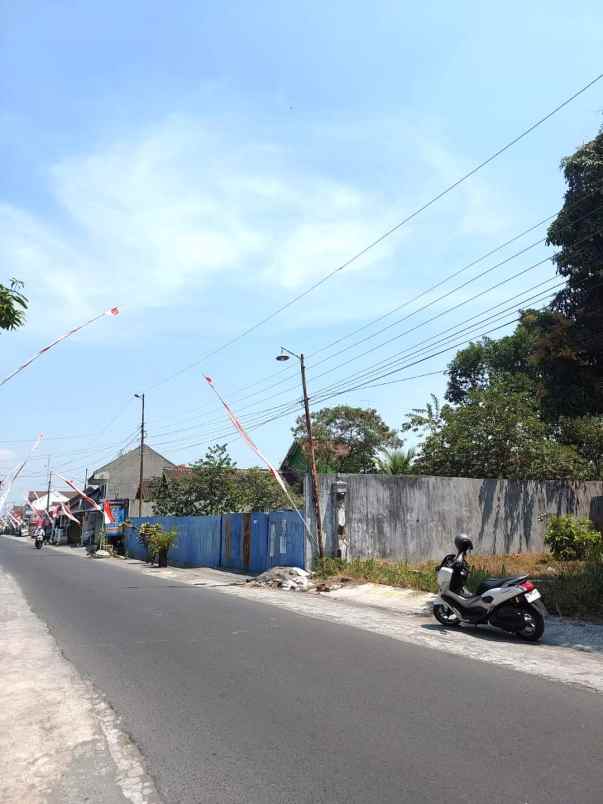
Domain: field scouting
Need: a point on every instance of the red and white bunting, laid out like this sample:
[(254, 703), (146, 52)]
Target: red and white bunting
[(84, 496), (246, 437), (7, 483), (112, 312), (42, 510), (66, 512)]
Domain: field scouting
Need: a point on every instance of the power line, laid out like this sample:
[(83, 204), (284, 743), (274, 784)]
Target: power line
[(201, 413), (385, 234), (288, 407), (412, 329)]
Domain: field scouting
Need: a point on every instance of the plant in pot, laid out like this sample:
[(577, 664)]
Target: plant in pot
[(157, 542), (145, 532), (161, 541)]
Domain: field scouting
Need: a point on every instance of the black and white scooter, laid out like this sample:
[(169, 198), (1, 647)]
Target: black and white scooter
[(513, 604)]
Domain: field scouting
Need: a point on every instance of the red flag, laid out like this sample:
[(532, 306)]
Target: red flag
[(108, 513)]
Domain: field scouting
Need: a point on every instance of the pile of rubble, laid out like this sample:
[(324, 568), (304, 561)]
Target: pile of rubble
[(291, 578)]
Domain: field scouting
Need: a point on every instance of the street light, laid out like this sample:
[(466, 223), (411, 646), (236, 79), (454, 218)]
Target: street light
[(284, 355)]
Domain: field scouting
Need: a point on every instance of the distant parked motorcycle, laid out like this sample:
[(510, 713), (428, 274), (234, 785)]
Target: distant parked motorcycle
[(512, 604)]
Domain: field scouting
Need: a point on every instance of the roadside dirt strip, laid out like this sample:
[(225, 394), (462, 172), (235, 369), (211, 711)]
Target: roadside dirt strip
[(59, 741)]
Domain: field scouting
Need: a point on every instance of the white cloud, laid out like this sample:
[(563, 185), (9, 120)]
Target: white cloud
[(7, 456), (166, 217)]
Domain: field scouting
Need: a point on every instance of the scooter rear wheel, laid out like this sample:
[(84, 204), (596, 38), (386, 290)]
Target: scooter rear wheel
[(445, 615), (534, 627)]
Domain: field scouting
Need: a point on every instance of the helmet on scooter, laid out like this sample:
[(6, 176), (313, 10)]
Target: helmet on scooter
[(463, 543)]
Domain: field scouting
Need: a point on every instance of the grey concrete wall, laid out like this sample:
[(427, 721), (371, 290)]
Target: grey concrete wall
[(416, 518)]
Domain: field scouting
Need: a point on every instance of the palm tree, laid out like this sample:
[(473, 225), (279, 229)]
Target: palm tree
[(396, 462)]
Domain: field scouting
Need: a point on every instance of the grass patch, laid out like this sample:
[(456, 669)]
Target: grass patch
[(576, 592), (570, 589), (392, 573)]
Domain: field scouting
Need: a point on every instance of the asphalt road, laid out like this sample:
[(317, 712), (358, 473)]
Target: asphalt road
[(233, 701)]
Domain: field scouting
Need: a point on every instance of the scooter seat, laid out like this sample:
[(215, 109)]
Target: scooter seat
[(494, 583)]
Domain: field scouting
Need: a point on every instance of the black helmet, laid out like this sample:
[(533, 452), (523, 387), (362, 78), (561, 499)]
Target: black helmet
[(463, 543)]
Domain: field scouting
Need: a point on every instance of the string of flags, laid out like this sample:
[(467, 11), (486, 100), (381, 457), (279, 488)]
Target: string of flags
[(114, 311), (249, 441), (105, 510), (7, 483)]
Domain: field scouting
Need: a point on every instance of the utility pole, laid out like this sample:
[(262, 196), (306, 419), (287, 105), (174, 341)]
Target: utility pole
[(48, 494), (313, 470), (140, 495)]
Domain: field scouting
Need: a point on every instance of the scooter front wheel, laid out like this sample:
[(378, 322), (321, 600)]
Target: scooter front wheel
[(445, 615)]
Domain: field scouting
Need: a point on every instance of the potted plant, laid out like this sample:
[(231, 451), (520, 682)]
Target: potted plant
[(161, 541), (156, 542)]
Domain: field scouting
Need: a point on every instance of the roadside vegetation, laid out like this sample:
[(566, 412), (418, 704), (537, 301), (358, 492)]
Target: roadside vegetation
[(569, 588)]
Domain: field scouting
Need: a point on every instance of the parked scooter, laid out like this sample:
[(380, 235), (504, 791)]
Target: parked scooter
[(39, 539), (512, 604)]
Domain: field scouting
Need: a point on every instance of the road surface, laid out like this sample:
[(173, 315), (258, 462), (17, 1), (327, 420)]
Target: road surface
[(234, 701)]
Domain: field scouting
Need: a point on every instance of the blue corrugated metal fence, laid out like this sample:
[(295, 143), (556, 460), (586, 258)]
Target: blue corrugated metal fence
[(248, 542)]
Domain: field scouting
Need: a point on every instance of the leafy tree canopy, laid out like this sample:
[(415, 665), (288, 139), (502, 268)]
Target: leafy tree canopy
[(348, 439), (216, 486), (496, 432), (13, 305)]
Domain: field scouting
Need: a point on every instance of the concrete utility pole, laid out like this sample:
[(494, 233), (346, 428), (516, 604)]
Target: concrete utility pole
[(313, 470), (140, 495), (48, 494)]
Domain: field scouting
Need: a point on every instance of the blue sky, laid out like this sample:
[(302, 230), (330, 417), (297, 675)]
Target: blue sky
[(201, 163)]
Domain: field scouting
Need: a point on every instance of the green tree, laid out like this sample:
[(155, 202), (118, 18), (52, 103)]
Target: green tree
[(216, 486), (578, 232), (575, 336), (13, 305), (348, 439), (396, 462), (488, 360), (539, 357), (496, 433), (585, 433)]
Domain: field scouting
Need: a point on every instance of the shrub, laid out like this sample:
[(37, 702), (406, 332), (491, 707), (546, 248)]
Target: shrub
[(573, 539), (145, 533), (156, 541), (160, 543)]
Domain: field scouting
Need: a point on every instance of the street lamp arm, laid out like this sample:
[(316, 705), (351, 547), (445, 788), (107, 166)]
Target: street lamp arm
[(289, 352)]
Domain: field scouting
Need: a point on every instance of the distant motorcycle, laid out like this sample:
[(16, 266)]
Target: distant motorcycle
[(512, 604), (39, 539)]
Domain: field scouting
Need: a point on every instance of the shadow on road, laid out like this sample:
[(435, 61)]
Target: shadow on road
[(584, 638)]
